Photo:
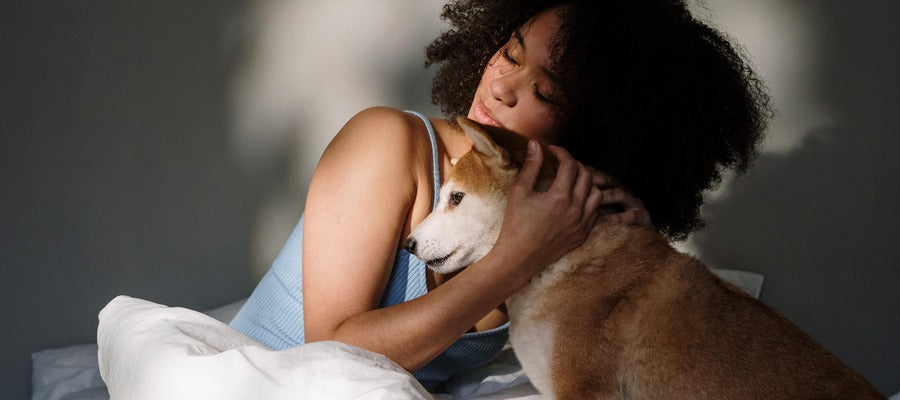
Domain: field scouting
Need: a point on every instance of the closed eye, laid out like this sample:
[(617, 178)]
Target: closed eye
[(508, 57), (540, 96), (456, 197)]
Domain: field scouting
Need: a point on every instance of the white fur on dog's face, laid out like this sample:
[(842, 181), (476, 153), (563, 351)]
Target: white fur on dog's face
[(466, 221), (455, 235)]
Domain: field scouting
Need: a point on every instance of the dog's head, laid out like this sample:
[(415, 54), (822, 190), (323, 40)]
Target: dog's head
[(466, 221)]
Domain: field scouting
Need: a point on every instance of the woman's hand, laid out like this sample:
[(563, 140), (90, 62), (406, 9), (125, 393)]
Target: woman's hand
[(541, 227), (619, 204)]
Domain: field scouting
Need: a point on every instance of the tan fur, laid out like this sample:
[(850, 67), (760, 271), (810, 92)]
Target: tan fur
[(626, 316), (465, 173), (512, 150)]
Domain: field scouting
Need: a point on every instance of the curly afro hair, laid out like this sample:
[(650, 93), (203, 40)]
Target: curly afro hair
[(652, 96)]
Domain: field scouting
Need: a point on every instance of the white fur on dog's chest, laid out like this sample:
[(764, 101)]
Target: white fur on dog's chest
[(532, 330)]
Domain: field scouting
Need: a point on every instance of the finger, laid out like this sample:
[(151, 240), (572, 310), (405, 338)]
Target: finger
[(593, 202), (567, 171), (621, 197), (583, 185), (614, 196), (604, 180), (531, 167), (631, 202)]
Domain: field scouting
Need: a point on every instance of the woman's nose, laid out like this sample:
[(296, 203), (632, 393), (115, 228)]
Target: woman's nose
[(503, 88)]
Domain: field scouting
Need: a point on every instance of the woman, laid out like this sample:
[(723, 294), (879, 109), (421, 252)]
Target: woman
[(637, 89)]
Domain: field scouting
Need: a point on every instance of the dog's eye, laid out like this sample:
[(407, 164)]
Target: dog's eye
[(456, 197)]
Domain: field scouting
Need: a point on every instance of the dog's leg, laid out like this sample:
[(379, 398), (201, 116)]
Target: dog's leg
[(586, 350)]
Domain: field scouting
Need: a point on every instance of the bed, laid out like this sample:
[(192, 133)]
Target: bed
[(150, 351)]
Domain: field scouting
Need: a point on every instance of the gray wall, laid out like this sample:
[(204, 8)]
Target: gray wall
[(119, 174), (115, 171), (822, 222)]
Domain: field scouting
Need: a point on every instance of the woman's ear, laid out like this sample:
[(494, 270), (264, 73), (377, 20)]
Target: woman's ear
[(482, 141)]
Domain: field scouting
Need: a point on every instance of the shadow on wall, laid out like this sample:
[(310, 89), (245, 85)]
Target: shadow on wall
[(820, 221), (116, 172), (820, 225)]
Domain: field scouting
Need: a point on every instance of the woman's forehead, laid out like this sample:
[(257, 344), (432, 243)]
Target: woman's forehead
[(538, 32), (536, 36)]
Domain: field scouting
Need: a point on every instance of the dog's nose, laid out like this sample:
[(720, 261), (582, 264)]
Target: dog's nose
[(410, 245)]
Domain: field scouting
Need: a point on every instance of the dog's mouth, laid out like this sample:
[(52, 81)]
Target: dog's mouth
[(439, 262)]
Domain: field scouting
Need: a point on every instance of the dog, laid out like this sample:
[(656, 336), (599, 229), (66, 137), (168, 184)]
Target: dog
[(625, 315)]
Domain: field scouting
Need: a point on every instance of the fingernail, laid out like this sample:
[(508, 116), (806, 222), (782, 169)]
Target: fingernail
[(532, 147)]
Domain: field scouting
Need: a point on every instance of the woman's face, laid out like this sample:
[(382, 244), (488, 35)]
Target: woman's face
[(517, 91)]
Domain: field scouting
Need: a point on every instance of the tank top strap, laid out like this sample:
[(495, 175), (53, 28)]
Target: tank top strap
[(435, 160)]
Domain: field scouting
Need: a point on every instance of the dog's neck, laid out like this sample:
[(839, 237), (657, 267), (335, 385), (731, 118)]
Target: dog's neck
[(434, 279), (621, 254)]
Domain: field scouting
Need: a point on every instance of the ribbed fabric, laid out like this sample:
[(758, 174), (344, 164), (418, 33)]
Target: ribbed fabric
[(273, 315), (435, 160)]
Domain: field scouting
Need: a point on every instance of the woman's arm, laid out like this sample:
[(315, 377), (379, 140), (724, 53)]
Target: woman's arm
[(359, 207)]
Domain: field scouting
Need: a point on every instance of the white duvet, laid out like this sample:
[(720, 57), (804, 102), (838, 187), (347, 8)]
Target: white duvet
[(149, 351)]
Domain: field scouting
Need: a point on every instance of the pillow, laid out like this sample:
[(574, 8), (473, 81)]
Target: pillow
[(749, 282), (67, 373)]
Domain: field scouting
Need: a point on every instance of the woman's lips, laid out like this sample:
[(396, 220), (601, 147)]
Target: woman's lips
[(483, 116)]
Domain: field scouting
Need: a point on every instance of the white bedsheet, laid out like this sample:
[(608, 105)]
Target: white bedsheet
[(149, 351)]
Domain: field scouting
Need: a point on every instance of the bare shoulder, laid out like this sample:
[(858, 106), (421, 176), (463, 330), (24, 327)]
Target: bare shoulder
[(383, 128), (389, 143), (380, 152)]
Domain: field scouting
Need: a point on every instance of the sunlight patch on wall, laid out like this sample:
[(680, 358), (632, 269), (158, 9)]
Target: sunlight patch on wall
[(780, 39), (308, 67)]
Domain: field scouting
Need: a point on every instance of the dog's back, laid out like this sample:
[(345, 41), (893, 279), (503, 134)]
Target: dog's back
[(625, 316), (633, 318)]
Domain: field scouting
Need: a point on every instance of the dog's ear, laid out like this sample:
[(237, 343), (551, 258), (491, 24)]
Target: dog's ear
[(482, 141)]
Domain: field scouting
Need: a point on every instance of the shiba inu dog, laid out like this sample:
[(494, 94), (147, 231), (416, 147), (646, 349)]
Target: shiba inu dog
[(625, 315)]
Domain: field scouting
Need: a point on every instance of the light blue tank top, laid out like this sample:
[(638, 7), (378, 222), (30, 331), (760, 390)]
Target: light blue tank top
[(273, 315)]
